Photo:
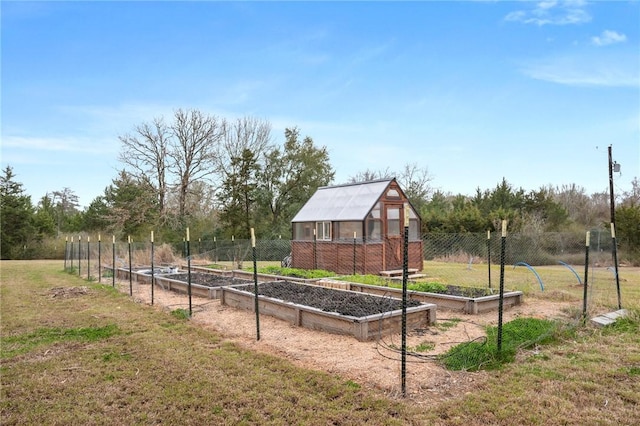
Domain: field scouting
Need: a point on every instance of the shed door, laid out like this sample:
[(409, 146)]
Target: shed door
[(393, 240)]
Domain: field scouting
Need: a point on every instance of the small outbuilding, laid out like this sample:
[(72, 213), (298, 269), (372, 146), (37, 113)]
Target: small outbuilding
[(357, 228)]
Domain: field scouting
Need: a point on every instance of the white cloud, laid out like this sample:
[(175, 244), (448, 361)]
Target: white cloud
[(608, 37), (587, 70), (552, 12)]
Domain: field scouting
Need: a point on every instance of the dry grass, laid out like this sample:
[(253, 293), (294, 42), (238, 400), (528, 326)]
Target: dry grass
[(153, 369), (559, 282), (60, 367)]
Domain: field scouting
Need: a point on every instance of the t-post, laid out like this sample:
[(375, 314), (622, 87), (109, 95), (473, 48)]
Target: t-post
[(152, 271), (501, 300), (88, 259), (189, 271), (586, 278), (255, 283), (99, 259), (113, 254), (489, 256), (130, 273), (405, 275)]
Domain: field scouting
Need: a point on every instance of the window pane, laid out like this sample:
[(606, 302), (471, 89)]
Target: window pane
[(414, 232), (346, 229), (393, 221), (393, 227), (323, 230), (303, 231), (327, 231), (374, 229)]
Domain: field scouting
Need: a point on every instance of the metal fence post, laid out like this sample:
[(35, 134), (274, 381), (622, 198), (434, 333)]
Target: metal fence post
[(501, 300), (255, 283), (586, 277)]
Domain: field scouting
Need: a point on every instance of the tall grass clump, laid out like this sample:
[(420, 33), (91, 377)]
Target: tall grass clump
[(520, 333)]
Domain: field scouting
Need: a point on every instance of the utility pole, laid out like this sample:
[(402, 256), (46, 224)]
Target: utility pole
[(611, 197), (614, 247)]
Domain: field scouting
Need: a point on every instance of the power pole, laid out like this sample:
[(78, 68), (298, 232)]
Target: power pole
[(614, 246)]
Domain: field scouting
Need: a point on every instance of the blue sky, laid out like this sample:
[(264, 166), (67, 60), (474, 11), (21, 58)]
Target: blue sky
[(474, 91)]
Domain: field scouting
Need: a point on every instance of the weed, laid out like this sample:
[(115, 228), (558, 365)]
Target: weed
[(216, 266), (352, 385), (368, 279), (430, 287), (447, 324), (181, 313), (18, 344), (295, 272), (516, 334), (424, 347)]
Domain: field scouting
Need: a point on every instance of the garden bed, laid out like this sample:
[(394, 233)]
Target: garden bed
[(464, 299), (364, 316), (202, 284)]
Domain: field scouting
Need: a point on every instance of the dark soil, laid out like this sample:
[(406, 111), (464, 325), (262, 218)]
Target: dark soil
[(209, 280), (330, 300)]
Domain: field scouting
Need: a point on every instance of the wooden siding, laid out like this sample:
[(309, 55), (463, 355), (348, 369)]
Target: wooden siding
[(338, 256)]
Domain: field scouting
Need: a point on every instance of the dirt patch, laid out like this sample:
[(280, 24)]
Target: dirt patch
[(68, 292), (373, 364)]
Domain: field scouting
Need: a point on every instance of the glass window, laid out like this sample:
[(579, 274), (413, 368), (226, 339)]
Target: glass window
[(414, 232), (393, 221), (323, 231), (303, 231), (375, 212), (374, 229), (345, 230), (393, 193)]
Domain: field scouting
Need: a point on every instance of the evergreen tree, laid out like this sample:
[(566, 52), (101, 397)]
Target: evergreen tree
[(288, 179), (16, 217)]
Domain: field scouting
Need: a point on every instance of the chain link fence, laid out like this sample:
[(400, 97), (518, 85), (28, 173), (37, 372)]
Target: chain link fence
[(204, 280), (533, 263)]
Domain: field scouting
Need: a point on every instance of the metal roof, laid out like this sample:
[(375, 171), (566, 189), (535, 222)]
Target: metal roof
[(342, 202)]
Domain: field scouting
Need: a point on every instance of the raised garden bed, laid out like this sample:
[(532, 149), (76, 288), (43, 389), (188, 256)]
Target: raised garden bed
[(364, 316), (248, 275), (202, 284), (463, 299)]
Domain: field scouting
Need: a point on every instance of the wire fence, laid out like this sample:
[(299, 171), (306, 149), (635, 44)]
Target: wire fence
[(216, 280), (468, 260)]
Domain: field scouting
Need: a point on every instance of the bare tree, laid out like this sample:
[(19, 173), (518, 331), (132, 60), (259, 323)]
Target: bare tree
[(146, 155), (247, 133), (239, 159), (195, 140), (632, 197), (416, 182), (369, 175)]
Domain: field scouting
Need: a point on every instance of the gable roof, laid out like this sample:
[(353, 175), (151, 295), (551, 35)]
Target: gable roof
[(342, 202)]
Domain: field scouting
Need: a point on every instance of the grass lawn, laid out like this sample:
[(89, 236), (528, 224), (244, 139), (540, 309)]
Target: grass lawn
[(97, 357)]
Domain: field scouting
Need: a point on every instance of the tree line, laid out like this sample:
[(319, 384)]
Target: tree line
[(221, 177)]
